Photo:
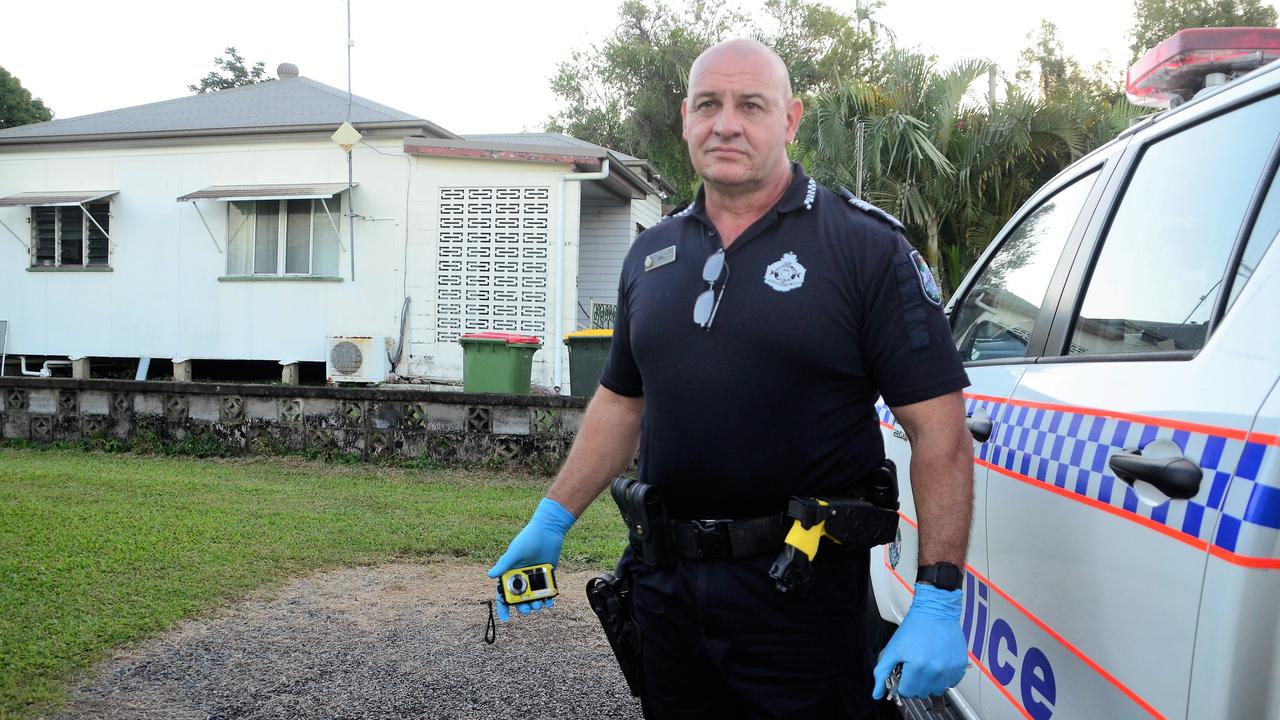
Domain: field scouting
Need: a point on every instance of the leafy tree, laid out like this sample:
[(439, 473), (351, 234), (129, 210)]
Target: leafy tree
[(625, 93), (954, 167), (1094, 98), (1056, 75), (916, 161), (231, 73), (17, 107), (1155, 20), (824, 48)]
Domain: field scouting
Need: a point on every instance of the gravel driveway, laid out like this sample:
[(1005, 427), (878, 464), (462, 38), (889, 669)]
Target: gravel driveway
[(395, 641)]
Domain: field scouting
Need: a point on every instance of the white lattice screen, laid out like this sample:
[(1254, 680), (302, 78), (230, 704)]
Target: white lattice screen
[(493, 261)]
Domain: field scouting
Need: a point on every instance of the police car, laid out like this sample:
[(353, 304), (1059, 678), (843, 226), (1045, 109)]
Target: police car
[(1122, 336)]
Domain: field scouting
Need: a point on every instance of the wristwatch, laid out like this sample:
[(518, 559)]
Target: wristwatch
[(942, 575)]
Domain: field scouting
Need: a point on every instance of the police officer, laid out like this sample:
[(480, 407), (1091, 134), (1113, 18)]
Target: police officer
[(755, 330)]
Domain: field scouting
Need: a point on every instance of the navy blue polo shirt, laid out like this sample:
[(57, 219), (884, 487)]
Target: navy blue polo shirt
[(824, 306)]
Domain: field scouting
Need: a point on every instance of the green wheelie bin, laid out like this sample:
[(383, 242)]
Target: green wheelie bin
[(588, 353), (498, 362)]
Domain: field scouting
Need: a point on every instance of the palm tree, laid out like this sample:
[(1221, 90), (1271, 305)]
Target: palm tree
[(908, 125), (952, 167), (1005, 151)]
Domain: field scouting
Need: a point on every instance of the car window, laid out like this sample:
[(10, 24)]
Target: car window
[(997, 314), (1261, 237), (1155, 282)]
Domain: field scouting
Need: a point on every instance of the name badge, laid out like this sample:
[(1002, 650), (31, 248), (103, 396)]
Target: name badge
[(665, 256)]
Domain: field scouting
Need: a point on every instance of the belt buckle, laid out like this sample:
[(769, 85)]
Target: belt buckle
[(712, 539)]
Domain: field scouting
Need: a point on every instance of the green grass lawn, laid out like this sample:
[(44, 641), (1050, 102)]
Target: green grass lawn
[(97, 550)]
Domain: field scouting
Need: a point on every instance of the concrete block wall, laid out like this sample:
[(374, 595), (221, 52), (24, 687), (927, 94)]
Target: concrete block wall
[(374, 423)]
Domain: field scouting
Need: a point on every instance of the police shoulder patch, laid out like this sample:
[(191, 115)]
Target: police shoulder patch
[(871, 210), (928, 285)]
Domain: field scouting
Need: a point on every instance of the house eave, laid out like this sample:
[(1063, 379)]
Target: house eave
[(623, 180), (583, 159)]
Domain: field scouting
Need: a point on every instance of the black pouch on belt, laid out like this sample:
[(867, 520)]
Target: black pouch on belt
[(646, 518)]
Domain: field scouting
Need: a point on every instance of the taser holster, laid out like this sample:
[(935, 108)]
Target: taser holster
[(850, 522), (648, 528)]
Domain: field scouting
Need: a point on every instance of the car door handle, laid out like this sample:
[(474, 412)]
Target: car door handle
[(980, 425), (1177, 477)]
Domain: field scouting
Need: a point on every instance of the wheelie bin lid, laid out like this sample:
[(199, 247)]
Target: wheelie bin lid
[(508, 338), (593, 333)]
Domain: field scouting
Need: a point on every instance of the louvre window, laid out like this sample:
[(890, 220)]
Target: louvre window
[(64, 237)]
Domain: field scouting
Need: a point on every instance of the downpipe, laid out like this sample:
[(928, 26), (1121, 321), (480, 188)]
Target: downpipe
[(557, 346)]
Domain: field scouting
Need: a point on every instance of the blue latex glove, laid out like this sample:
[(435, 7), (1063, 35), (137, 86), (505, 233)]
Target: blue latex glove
[(929, 645), (539, 542)]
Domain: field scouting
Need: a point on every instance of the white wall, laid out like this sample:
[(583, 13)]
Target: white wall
[(163, 297), (646, 212), (607, 234), (608, 230)]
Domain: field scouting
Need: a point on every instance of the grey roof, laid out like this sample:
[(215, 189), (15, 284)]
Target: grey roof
[(292, 103), (546, 139)]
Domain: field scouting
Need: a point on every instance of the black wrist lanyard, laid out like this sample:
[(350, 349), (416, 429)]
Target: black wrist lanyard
[(490, 630)]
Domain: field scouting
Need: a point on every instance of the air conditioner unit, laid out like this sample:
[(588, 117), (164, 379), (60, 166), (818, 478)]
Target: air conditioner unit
[(356, 359)]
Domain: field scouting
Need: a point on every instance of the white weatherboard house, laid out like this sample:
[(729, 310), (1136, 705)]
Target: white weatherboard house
[(224, 227)]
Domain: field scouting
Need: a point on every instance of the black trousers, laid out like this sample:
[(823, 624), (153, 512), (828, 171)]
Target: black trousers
[(718, 638)]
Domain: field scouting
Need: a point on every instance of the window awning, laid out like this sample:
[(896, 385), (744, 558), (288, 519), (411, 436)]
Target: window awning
[(306, 191), (45, 199)]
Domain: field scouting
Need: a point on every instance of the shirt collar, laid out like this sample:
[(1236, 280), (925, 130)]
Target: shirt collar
[(799, 194)]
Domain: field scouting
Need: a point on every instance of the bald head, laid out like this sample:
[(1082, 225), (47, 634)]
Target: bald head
[(743, 52), (738, 118)]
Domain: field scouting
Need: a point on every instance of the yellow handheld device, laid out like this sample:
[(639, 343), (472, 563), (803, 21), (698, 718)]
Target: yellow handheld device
[(535, 582)]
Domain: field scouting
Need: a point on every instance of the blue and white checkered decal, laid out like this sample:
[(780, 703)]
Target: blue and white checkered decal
[(1069, 450)]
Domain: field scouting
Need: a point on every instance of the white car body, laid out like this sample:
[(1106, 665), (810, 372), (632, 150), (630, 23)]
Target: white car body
[(1086, 596)]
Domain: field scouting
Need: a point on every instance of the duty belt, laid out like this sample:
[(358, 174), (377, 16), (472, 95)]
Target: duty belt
[(727, 539), (658, 539)]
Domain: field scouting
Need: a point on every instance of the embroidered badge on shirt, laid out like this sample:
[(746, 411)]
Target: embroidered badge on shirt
[(785, 275), (665, 256), (928, 285)]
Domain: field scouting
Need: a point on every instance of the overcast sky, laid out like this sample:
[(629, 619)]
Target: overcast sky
[(472, 67)]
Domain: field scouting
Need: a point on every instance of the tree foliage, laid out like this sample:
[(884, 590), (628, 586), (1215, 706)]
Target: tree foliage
[(1155, 20), (1045, 68), (952, 164), (1094, 96), (231, 73), (17, 107)]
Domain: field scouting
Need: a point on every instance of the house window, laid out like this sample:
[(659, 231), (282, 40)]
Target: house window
[(64, 237), (283, 237)]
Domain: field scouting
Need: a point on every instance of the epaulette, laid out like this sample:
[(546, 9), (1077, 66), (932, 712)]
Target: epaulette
[(871, 210), (680, 210)]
